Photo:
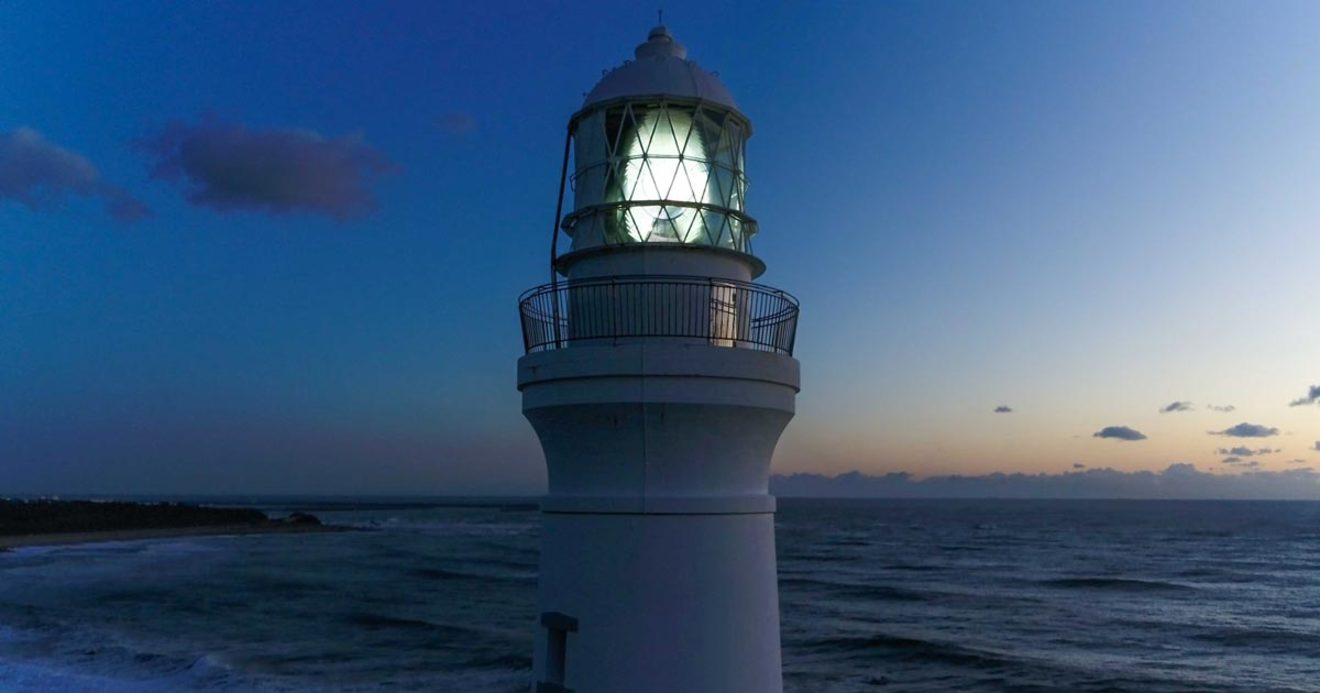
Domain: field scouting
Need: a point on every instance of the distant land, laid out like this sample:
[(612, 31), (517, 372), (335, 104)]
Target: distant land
[(29, 522), (1177, 481)]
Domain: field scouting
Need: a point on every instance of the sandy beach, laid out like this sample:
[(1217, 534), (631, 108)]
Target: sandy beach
[(64, 538)]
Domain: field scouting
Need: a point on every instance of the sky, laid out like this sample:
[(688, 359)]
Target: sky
[(276, 247)]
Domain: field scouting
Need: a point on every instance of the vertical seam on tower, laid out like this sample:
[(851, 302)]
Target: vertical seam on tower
[(646, 423)]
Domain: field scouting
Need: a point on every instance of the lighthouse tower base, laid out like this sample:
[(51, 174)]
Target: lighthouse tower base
[(658, 554), (677, 602)]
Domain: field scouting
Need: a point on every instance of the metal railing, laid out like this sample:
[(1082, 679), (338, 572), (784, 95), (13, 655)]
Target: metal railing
[(721, 312)]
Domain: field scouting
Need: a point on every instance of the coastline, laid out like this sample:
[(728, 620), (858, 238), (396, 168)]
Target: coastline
[(16, 541)]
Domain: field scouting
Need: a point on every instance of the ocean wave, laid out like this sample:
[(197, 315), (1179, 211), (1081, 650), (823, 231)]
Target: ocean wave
[(857, 591), (913, 649), (1113, 583), (1209, 533), (1200, 572), (912, 568), (375, 621), (528, 554), (442, 527), (1218, 575), (521, 575), (442, 574), (956, 548), (1261, 637), (59, 659), (820, 558), (497, 659), (847, 541), (33, 676)]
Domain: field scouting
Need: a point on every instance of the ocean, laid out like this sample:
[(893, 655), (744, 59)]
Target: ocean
[(875, 595)]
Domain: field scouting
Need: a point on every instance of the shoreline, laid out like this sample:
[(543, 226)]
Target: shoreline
[(18, 541)]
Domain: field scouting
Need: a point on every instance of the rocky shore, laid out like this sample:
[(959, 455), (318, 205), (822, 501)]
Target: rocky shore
[(45, 522)]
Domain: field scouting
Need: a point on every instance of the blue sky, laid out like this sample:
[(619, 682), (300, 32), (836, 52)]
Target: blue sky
[(1083, 212)]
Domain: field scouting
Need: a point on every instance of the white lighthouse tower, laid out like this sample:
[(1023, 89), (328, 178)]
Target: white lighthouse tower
[(658, 378)]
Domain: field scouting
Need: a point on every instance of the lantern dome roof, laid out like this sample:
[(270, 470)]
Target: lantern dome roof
[(661, 68)]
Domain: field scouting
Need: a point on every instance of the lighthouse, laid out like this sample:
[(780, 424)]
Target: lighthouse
[(658, 377)]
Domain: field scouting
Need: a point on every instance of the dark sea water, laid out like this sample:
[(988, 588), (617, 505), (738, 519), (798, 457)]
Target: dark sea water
[(876, 595)]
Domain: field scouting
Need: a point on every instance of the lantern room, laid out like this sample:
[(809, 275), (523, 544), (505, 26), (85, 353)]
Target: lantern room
[(658, 156)]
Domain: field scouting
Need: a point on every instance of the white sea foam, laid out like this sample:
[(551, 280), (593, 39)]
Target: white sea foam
[(24, 676)]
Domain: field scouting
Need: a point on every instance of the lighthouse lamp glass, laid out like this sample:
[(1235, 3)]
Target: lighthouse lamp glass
[(660, 172)]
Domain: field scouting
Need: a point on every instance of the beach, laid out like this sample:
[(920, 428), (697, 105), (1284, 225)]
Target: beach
[(14, 541)]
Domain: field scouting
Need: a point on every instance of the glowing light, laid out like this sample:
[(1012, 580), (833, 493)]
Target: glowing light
[(666, 162)]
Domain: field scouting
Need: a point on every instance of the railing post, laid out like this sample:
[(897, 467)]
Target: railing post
[(611, 314), (709, 311)]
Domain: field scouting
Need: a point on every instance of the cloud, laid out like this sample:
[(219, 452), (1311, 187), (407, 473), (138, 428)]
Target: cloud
[(1317, 445), (1119, 433), (1312, 396), (1243, 451), (1176, 407), (1239, 462), (1003, 409), (230, 167), (1247, 430), (1297, 461), (1078, 465), (457, 123), (40, 175), (1176, 481), (1221, 407)]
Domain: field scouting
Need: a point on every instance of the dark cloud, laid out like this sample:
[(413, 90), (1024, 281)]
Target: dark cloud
[(457, 123), (1243, 451), (1312, 396), (1221, 407), (1317, 445), (1239, 462), (1176, 407), (1119, 433), (1297, 461), (1003, 409), (1176, 481), (230, 167), (1078, 465), (1247, 430), (40, 175)]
